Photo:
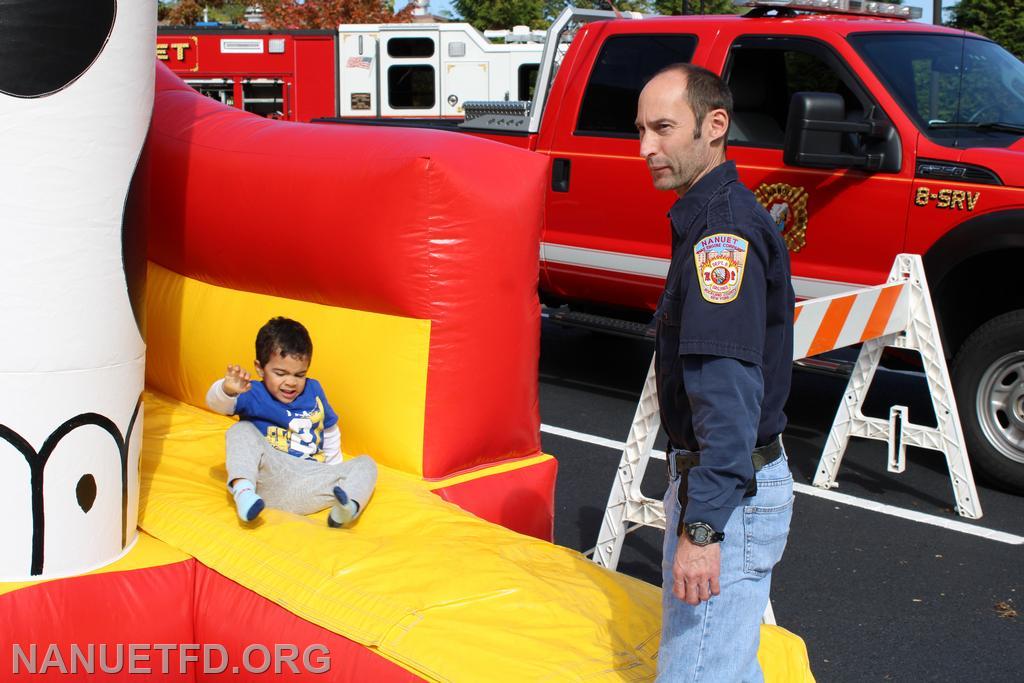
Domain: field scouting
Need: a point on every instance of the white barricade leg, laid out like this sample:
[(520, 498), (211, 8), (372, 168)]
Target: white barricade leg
[(769, 614), (849, 421), (921, 335), (625, 503), (948, 437)]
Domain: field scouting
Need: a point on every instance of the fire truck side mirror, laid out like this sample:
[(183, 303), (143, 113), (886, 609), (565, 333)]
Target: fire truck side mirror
[(815, 129)]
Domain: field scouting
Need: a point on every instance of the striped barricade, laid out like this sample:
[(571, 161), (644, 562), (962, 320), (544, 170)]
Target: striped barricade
[(898, 314), (822, 325)]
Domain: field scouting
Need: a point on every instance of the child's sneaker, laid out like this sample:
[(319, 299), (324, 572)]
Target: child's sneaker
[(344, 511), (247, 501)]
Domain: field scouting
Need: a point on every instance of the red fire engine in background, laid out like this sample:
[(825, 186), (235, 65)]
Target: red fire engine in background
[(290, 74), (412, 70)]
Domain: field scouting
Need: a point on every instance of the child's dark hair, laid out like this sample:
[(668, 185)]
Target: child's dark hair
[(284, 336)]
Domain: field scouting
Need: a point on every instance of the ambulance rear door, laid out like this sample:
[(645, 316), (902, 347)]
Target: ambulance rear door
[(467, 71), (410, 69), (357, 62)]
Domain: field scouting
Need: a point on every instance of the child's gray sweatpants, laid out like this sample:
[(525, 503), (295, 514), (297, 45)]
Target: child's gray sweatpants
[(295, 484)]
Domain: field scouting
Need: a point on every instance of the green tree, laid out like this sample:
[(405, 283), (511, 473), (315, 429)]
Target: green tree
[(998, 20), (696, 7), (554, 7), (499, 14), (664, 7), (185, 12), (230, 12), (485, 14)]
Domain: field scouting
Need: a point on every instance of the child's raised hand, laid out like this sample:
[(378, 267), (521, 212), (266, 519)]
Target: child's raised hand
[(236, 381)]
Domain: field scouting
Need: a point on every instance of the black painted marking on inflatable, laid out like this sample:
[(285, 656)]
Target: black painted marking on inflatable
[(85, 492), (134, 240), (125, 444), (46, 45), (37, 464)]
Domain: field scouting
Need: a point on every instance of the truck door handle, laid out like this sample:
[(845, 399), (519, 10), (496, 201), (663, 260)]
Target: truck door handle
[(560, 175)]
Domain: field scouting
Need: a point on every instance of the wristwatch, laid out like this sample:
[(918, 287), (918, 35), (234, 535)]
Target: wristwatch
[(701, 533)]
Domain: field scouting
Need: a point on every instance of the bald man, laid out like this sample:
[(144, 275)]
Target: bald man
[(724, 363)]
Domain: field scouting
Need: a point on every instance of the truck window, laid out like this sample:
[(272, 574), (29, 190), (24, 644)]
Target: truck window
[(763, 74), (962, 92), (411, 47), (411, 87), (527, 80), (622, 68), (222, 90), (263, 98)]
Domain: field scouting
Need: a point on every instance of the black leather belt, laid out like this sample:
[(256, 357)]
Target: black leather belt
[(761, 456), (682, 462), (767, 454)]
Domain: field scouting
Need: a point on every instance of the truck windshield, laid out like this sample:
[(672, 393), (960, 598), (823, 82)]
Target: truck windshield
[(960, 91)]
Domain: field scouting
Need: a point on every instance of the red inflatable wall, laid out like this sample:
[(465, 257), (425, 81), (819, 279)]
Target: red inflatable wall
[(417, 223), (177, 606)]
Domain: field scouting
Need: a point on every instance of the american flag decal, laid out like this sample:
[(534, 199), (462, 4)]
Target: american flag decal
[(358, 62)]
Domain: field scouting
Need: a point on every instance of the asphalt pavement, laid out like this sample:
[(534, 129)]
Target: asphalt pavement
[(910, 594)]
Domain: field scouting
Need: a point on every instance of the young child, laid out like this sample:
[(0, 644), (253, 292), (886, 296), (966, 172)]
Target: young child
[(285, 451)]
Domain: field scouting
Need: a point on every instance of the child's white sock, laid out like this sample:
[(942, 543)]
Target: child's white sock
[(344, 511), (248, 503)]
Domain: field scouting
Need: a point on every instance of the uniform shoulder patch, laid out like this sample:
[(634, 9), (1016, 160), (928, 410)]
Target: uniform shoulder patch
[(720, 260)]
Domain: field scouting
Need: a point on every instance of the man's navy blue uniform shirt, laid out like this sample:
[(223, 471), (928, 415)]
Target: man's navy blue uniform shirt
[(725, 339)]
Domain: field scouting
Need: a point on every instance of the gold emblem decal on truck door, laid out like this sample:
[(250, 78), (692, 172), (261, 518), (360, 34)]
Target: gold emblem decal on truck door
[(787, 206), (947, 199)]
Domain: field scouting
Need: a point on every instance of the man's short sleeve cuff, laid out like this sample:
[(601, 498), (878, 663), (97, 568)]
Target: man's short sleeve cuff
[(702, 347)]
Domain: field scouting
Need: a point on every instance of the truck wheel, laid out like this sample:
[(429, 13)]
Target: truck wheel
[(988, 380)]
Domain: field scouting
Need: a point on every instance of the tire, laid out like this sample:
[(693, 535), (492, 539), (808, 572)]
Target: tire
[(988, 380)]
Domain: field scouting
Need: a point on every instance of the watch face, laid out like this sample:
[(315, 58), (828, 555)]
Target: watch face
[(700, 534)]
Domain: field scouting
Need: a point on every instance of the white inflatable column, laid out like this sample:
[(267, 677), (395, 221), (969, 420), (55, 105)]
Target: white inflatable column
[(76, 94)]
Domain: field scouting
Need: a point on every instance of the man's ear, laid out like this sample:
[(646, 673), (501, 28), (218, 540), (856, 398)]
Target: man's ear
[(716, 124)]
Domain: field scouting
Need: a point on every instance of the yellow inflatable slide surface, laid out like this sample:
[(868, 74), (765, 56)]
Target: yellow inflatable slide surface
[(419, 581)]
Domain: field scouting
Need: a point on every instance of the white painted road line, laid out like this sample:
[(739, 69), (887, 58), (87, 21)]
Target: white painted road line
[(834, 496), (586, 438), (912, 515)]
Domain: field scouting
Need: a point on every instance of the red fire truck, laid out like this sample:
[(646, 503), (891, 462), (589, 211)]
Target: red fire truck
[(361, 70), (289, 75)]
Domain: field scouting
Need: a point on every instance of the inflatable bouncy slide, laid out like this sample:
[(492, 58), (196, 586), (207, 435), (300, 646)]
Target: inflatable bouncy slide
[(411, 256)]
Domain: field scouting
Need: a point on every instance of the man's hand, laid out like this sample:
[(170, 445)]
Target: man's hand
[(236, 381), (695, 571)]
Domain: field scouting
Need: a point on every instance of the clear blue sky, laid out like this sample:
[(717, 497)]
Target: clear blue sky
[(437, 6)]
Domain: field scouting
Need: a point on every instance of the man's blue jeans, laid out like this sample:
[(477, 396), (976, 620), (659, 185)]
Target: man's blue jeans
[(718, 640)]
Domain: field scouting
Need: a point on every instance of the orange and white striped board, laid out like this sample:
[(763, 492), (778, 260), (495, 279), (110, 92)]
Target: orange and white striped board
[(832, 322)]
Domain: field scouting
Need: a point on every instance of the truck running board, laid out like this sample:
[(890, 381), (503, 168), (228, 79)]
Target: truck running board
[(599, 323), (833, 367)]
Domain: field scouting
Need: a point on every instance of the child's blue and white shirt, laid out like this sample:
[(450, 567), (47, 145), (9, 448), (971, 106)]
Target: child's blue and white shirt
[(305, 428)]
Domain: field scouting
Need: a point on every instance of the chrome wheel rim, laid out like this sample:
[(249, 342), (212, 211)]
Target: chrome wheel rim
[(1000, 405)]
